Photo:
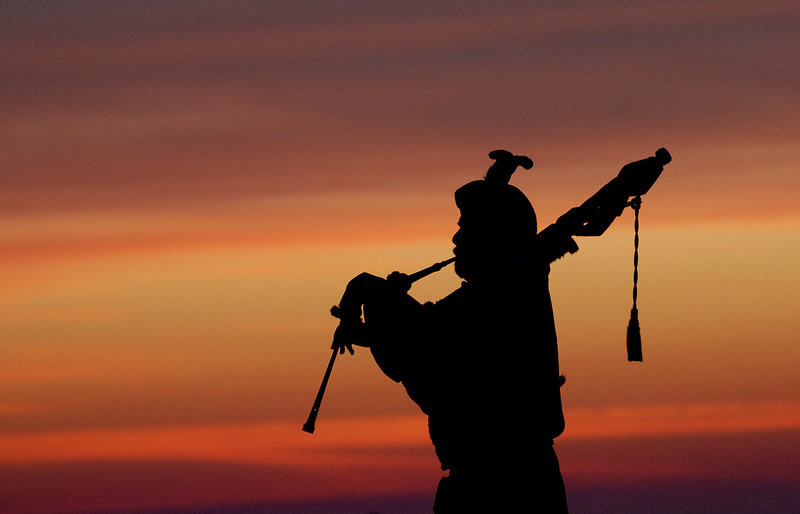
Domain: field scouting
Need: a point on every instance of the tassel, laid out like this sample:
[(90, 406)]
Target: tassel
[(634, 334), (634, 337)]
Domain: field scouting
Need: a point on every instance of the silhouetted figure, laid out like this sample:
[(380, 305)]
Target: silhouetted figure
[(482, 363)]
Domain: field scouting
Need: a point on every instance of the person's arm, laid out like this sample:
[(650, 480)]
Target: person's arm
[(367, 292), (593, 217), (557, 240)]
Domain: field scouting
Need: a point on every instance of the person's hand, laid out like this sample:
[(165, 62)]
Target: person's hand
[(349, 332), (400, 281)]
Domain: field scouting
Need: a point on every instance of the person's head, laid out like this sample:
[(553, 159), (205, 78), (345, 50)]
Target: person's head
[(496, 226)]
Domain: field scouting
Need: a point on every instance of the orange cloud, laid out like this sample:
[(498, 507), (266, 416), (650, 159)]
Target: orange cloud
[(347, 442), (389, 455)]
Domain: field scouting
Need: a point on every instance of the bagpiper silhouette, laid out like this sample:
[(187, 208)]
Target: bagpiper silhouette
[(482, 362)]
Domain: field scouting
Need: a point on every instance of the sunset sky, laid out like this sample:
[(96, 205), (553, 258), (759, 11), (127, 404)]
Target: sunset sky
[(187, 186)]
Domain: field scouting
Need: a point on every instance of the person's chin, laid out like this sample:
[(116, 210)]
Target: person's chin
[(462, 268)]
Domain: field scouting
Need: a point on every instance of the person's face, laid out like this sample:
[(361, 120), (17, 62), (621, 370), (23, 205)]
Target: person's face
[(482, 249)]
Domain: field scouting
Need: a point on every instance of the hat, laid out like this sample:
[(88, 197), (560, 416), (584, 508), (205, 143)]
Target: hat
[(496, 201)]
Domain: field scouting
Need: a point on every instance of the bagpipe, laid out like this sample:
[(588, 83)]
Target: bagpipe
[(591, 218)]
